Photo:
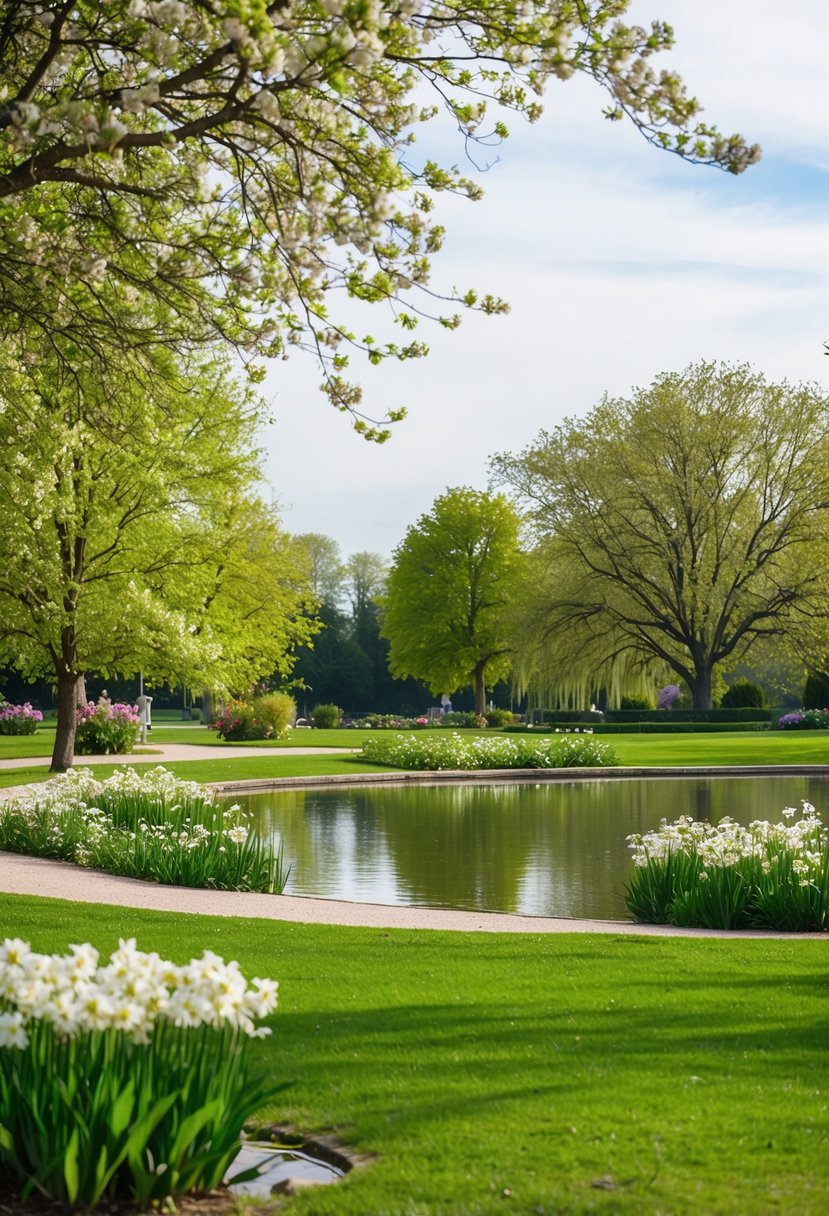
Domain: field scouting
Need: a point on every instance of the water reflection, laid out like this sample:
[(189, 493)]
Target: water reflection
[(543, 850)]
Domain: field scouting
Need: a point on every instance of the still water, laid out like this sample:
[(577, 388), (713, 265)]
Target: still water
[(555, 849)]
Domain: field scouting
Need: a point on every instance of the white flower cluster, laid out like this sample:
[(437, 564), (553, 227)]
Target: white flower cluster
[(441, 752), (81, 785), (132, 993), (728, 842)]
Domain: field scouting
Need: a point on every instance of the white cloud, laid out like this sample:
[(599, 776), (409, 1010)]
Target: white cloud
[(619, 263)]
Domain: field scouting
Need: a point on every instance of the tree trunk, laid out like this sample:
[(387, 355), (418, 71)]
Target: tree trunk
[(479, 689), (64, 751), (81, 691), (206, 707), (701, 688)]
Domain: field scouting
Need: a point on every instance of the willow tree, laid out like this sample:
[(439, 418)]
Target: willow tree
[(678, 526), (127, 537), (448, 603), (246, 160)]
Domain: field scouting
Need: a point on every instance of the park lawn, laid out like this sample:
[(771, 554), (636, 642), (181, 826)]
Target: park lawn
[(674, 750), (243, 769), (733, 747), (758, 748), (204, 736), (526, 1074)]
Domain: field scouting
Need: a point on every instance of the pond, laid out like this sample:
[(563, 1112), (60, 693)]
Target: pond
[(551, 849)]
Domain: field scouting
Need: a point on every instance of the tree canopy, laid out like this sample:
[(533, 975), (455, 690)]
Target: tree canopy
[(676, 527), (222, 167), (131, 538), (447, 609)]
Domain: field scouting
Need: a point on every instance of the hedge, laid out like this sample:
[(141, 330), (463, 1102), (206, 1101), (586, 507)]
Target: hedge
[(689, 715), (651, 728)]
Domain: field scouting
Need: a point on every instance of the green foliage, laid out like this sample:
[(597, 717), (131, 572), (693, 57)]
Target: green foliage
[(816, 690), (461, 718), (436, 752), (326, 717), (152, 827), (277, 710), (265, 717), (499, 718), (660, 537), (635, 703), (238, 721), (743, 694), (727, 877), (740, 714), (131, 504), (665, 727), (143, 1109), (447, 611)]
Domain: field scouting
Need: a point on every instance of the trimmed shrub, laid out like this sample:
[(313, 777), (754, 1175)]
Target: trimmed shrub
[(644, 728), (325, 717), (459, 717), (816, 690), (106, 728), (18, 719), (635, 703), (499, 718), (689, 715), (743, 694), (564, 717), (276, 711)]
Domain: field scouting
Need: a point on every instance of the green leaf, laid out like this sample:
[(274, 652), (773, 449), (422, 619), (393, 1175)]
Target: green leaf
[(71, 1172)]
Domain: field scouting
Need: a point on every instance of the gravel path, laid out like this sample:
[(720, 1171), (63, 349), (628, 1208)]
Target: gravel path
[(184, 751), (58, 880)]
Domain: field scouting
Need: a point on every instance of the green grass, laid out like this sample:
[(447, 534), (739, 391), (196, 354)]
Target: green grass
[(511, 1073), (636, 750), (205, 737), (243, 769), (751, 747)]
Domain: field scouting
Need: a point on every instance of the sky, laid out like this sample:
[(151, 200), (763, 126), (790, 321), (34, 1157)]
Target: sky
[(619, 262)]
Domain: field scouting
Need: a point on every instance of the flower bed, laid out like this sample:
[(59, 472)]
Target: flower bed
[(18, 719), (438, 752), (106, 728), (151, 826), (765, 876), (266, 717), (807, 719), (129, 1081), (390, 722)]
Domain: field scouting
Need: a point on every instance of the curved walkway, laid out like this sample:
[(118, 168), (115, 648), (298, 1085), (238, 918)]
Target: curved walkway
[(20, 875), (183, 751)]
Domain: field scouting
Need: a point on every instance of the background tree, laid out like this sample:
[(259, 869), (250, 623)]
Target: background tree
[(447, 608), (327, 570), (677, 527), (127, 541), (216, 156)]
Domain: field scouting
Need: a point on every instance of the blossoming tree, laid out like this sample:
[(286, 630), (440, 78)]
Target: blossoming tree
[(242, 160)]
